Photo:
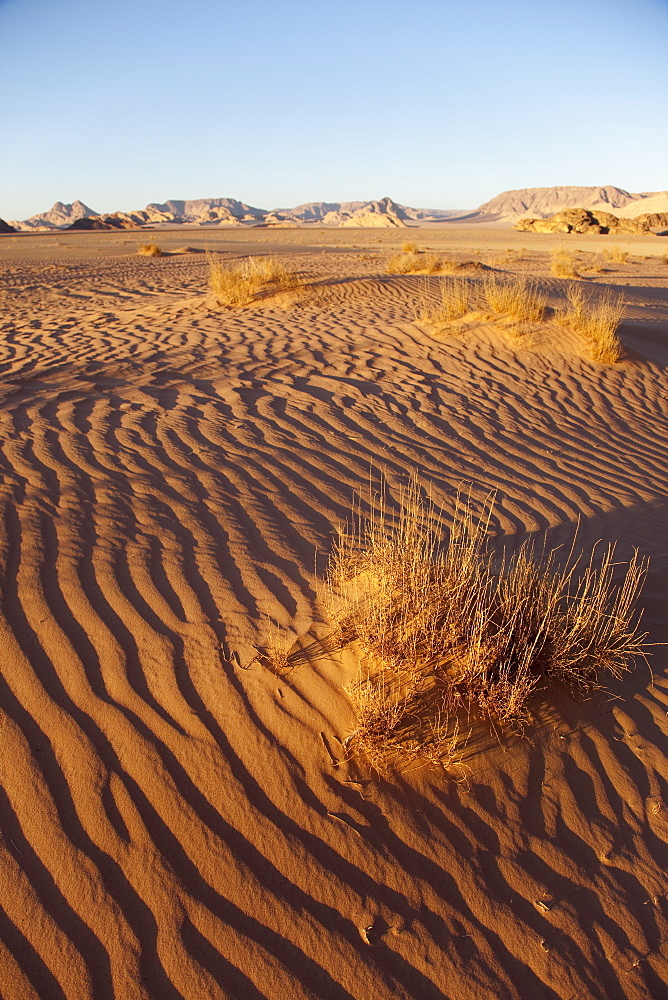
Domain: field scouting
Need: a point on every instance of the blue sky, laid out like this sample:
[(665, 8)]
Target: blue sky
[(438, 104)]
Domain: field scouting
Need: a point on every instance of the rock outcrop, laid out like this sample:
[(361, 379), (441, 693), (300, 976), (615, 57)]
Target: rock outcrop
[(582, 220), (6, 228), (59, 217), (654, 220)]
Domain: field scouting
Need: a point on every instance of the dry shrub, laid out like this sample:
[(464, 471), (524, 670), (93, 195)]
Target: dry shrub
[(598, 322), (241, 284), (517, 297), (149, 250), (452, 303), (409, 247), (405, 263), (420, 262), (595, 265), (450, 631), (563, 264), (616, 254)]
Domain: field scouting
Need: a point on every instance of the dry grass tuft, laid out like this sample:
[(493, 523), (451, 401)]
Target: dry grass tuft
[(409, 247), (598, 322), (616, 254), (453, 303), (420, 262), (563, 264), (449, 631), (241, 284), (149, 250), (517, 297)]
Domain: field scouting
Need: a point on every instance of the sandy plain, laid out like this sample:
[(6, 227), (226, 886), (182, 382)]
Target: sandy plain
[(178, 821)]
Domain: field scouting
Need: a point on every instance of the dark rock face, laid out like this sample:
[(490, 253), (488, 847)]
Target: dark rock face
[(582, 220), (5, 227)]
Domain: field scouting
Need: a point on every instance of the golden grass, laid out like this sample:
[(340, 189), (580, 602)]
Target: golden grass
[(616, 254), (240, 284), (409, 247), (597, 322), (450, 631), (563, 263), (452, 303), (149, 250), (518, 297), (420, 262)]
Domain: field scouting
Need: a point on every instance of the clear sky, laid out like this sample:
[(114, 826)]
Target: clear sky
[(437, 103)]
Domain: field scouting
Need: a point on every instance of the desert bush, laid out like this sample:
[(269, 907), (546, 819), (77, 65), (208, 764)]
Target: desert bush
[(563, 264), (518, 297), (416, 262), (616, 254), (149, 250), (240, 284), (409, 247), (450, 630), (452, 303), (597, 322)]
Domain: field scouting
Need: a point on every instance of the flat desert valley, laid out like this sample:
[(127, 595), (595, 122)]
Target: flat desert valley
[(181, 817)]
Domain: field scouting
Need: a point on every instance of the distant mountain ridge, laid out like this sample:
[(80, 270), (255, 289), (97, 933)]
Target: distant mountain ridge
[(510, 206), (506, 208), (229, 211)]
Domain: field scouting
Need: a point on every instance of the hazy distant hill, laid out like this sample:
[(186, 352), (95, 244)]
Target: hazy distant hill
[(507, 207), (203, 210), (58, 217), (543, 202)]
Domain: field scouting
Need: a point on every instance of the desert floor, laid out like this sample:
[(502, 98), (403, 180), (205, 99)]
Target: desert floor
[(178, 820)]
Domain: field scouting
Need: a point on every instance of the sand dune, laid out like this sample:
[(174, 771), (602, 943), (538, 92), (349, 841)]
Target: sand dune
[(178, 821)]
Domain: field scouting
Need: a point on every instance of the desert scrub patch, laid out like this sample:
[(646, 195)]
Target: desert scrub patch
[(451, 303), (616, 254), (241, 284), (517, 297), (149, 250), (597, 321), (448, 629), (420, 262), (563, 263)]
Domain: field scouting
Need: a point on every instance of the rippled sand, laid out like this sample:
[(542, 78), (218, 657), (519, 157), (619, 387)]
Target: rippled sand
[(178, 822)]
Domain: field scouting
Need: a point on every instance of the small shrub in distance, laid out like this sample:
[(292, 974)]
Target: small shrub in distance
[(563, 264), (409, 247), (616, 254), (149, 250), (420, 262), (448, 629)]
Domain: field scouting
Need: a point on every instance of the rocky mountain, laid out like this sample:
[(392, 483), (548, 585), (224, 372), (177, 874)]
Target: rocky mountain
[(203, 210), (5, 227), (58, 217), (544, 202), (508, 207)]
